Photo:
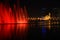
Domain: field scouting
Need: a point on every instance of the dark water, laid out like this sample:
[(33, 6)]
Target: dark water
[(31, 31)]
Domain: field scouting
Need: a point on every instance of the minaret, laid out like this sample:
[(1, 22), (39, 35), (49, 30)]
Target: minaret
[(49, 21)]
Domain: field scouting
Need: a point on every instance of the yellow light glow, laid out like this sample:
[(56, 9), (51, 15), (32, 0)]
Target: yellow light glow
[(47, 17)]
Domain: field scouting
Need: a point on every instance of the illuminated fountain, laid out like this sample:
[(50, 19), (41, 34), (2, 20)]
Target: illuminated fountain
[(8, 18)]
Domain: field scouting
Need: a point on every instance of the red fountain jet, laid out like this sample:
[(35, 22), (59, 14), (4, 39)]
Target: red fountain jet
[(7, 17)]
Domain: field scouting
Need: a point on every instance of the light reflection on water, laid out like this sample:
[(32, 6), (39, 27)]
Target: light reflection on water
[(7, 31), (27, 31)]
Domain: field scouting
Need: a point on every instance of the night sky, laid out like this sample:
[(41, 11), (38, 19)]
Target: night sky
[(36, 8)]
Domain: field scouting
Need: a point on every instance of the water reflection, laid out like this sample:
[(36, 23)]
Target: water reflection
[(31, 31), (22, 30), (13, 31), (6, 31)]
